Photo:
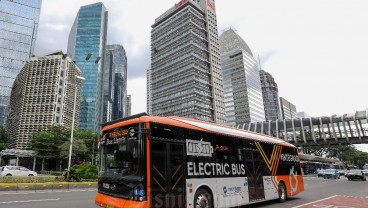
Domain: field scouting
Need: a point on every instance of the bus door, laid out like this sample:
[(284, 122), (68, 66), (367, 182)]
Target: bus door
[(167, 175), (254, 172)]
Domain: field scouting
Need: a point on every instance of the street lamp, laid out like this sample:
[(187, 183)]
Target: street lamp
[(73, 118)]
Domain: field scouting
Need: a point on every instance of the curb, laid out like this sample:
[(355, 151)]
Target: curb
[(46, 186)]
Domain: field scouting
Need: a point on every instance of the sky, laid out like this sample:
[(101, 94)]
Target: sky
[(314, 49)]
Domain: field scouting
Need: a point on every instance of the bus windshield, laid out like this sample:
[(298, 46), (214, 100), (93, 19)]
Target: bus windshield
[(121, 162)]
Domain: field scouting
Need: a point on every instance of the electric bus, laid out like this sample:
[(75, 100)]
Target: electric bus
[(174, 162)]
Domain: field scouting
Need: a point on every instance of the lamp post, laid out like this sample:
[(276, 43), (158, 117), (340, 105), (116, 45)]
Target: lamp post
[(72, 129), (73, 115), (88, 56)]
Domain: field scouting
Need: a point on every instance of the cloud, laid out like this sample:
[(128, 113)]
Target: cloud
[(316, 50)]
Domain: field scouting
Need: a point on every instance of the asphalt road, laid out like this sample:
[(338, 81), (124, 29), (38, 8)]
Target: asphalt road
[(315, 189), (48, 199), (319, 188)]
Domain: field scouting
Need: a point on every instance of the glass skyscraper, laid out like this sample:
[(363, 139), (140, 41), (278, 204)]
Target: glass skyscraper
[(114, 83), (18, 30), (242, 84), (88, 36)]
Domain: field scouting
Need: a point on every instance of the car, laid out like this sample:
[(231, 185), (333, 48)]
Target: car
[(16, 171), (320, 173), (331, 173), (356, 174), (341, 171)]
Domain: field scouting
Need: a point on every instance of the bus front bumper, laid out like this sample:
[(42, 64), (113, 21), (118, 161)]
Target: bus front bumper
[(106, 201)]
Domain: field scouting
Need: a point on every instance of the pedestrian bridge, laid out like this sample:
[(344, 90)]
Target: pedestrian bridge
[(344, 129)]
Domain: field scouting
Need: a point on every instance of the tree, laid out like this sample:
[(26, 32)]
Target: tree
[(4, 138), (46, 142), (54, 143), (90, 140), (79, 149), (346, 153)]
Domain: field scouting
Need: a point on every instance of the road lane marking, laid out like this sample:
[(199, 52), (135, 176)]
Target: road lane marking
[(43, 192), (316, 201), (32, 200)]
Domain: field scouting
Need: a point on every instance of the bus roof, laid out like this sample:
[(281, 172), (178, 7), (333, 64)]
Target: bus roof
[(196, 125)]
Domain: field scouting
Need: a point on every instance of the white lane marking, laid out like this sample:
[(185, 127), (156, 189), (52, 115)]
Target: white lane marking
[(316, 201), (34, 200), (44, 192)]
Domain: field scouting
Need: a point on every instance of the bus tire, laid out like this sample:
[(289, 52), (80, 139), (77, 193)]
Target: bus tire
[(282, 192), (203, 199)]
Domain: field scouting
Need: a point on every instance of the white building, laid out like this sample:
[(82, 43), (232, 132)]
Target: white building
[(43, 94), (242, 84)]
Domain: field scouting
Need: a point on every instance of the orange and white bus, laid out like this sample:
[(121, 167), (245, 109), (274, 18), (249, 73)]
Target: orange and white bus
[(148, 161)]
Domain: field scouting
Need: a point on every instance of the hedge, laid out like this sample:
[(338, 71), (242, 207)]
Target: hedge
[(30, 179)]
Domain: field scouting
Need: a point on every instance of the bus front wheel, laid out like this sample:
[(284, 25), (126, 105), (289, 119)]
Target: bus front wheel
[(282, 192), (203, 199)]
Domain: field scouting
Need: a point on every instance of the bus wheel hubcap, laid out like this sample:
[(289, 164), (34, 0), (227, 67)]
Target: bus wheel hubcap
[(202, 201), (282, 193)]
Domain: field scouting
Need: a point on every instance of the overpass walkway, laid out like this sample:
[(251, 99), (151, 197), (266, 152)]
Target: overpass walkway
[(344, 129)]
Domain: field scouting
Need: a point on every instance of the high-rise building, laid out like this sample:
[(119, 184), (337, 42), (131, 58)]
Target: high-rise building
[(270, 94), (149, 96), (186, 75), (288, 110), (43, 94), (303, 115), (88, 36), (129, 105), (114, 83), (18, 32), (242, 85)]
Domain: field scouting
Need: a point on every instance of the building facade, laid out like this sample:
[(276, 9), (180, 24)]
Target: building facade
[(43, 94), (88, 36), (114, 83), (288, 110), (18, 31), (270, 93), (186, 75), (242, 85), (129, 105), (149, 96), (303, 115)]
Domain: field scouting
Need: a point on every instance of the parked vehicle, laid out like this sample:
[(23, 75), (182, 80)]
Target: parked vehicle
[(356, 174), (341, 172), (331, 173), (16, 171), (321, 173)]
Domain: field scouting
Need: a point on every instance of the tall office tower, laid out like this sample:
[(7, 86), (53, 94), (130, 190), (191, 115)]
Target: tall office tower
[(288, 110), (242, 85), (186, 72), (43, 94), (270, 94), (88, 36), (18, 32), (129, 105), (114, 83), (149, 96)]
